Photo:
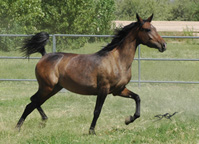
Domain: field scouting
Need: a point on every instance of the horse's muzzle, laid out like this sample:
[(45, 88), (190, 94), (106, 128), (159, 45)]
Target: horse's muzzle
[(163, 47)]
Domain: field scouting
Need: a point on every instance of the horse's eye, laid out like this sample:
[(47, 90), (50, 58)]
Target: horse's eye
[(147, 30)]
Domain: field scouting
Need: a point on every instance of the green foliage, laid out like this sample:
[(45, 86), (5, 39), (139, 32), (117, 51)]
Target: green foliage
[(196, 11), (66, 16), (126, 9), (77, 17), (184, 10)]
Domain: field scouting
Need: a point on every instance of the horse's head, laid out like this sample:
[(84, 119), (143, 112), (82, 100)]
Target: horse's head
[(148, 35)]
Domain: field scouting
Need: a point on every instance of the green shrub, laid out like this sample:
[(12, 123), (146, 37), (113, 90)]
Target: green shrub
[(63, 17)]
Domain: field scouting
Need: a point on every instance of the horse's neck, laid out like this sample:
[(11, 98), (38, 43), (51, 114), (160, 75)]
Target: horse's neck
[(127, 51)]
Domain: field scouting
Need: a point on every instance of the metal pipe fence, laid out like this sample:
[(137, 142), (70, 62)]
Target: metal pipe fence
[(139, 59)]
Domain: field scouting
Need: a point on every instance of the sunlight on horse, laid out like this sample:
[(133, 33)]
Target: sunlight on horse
[(107, 71)]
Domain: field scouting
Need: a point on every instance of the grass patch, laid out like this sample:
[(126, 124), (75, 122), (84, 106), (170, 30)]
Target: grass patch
[(70, 116)]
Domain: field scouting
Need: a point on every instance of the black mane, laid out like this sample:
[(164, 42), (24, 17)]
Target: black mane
[(117, 38)]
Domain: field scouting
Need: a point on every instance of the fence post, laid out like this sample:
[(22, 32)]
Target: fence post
[(54, 43), (139, 67)]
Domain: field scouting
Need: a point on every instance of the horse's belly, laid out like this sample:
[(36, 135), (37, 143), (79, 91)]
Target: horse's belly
[(78, 87)]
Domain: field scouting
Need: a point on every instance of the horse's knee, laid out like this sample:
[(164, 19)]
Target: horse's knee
[(137, 98)]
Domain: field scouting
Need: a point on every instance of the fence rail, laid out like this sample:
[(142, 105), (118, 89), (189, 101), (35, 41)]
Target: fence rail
[(139, 59)]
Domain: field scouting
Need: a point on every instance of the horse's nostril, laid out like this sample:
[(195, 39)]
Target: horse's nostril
[(164, 45)]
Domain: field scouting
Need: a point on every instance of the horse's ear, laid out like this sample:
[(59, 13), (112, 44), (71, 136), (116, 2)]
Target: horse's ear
[(139, 19), (150, 18)]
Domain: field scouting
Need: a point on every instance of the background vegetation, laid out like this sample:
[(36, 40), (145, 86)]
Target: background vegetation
[(82, 17), (168, 10), (65, 17)]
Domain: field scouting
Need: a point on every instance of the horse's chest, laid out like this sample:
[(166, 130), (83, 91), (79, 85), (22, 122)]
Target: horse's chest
[(124, 79), (114, 76), (121, 80)]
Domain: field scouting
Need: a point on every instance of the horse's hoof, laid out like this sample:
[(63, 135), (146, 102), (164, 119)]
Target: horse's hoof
[(17, 128), (42, 124), (92, 132), (19, 124), (129, 120)]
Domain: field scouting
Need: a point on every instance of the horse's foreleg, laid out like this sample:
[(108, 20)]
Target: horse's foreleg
[(129, 94), (98, 106)]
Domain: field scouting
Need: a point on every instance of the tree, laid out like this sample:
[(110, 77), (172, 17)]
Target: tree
[(77, 17), (163, 9), (66, 16), (18, 16), (182, 10), (126, 9)]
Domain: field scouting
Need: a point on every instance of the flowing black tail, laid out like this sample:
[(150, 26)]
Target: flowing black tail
[(35, 44)]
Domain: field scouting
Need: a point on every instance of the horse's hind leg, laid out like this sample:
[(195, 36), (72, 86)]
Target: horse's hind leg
[(43, 115), (29, 108), (36, 101)]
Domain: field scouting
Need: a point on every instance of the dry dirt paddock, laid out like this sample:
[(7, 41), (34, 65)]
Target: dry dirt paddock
[(169, 26)]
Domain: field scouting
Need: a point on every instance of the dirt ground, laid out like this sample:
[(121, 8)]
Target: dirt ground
[(169, 26)]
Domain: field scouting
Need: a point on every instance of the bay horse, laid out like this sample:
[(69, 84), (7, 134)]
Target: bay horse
[(107, 71)]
